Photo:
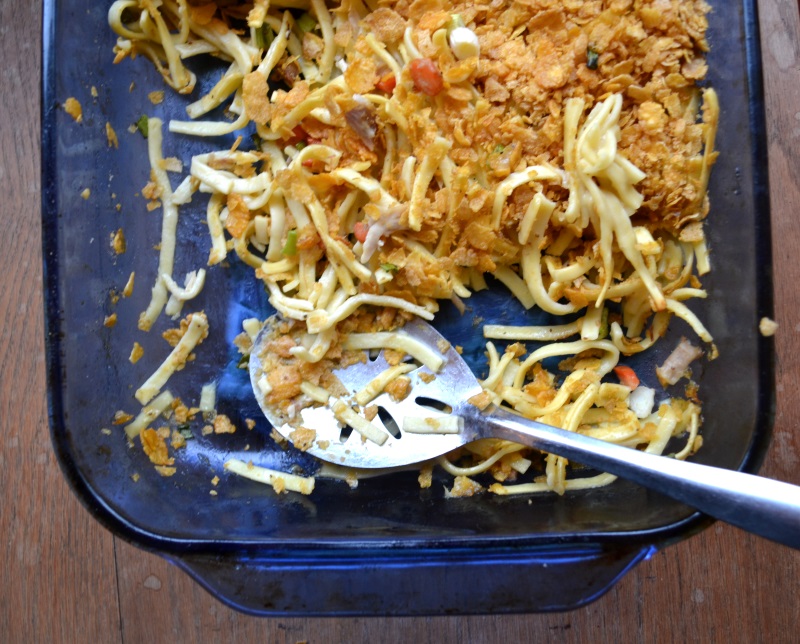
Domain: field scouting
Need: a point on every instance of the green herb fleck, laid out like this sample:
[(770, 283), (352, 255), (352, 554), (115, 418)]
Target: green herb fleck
[(499, 148), (300, 145), (290, 247), (389, 268), (455, 22), (142, 125), (184, 431), (256, 140), (592, 57), (306, 22), (603, 325), (264, 36), (244, 361)]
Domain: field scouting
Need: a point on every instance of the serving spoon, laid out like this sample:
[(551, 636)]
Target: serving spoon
[(440, 400)]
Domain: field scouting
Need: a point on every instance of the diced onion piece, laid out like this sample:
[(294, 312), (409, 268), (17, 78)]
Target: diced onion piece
[(464, 43), (208, 397), (251, 327), (383, 276), (263, 385), (520, 463), (645, 243), (767, 327), (641, 401)]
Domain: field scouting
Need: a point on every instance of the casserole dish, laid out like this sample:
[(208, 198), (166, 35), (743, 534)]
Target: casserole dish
[(386, 547)]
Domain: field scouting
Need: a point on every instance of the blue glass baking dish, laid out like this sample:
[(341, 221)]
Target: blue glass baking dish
[(386, 547)]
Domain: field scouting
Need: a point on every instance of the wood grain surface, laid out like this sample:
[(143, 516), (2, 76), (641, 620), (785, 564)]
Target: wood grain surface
[(63, 578)]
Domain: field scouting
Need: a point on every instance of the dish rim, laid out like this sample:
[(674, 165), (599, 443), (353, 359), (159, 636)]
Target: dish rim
[(168, 545)]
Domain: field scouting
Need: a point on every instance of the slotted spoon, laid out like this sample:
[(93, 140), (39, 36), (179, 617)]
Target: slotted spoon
[(762, 506)]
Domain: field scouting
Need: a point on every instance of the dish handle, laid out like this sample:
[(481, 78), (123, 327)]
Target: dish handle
[(554, 578)]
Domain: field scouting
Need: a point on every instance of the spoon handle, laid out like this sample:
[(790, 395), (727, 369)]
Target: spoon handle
[(759, 505)]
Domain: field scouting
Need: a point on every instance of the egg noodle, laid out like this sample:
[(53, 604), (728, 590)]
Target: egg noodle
[(404, 150)]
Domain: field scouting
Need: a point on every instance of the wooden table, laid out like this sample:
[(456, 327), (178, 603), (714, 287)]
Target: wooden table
[(63, 578)]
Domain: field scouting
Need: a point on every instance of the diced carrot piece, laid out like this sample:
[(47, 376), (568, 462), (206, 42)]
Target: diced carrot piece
[(627, 376), (360, 231), (426, 76)]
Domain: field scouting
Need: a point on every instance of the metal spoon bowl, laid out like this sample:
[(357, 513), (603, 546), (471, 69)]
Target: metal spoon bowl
[(762, 506)]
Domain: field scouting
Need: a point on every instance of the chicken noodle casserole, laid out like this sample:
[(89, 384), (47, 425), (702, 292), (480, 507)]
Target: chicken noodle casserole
[(405, 150)]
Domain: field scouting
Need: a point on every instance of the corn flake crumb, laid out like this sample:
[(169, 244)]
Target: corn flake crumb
[(127, 291), (118, 243), (223, 425), (767, 327), (352, 480), (399, 388), (279, 484), (120, 417), (171, 164), (135, 477), (425, 477), (182, 413), (136, 353), (111, 135), (156, 97), (214, 481), (177, 440), (110, 321), (303, 438), (86, 193), (73, 107), (394, 357), (173, 336), (207, 429), (278, 438), (155, 447), (164, 470), (481, 400), (463, 486)]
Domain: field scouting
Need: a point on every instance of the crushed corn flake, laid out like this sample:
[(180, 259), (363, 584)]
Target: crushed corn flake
[(767, 327), (223, 425), (111, 135), (118, 243), (73, 107), (137, 351)]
